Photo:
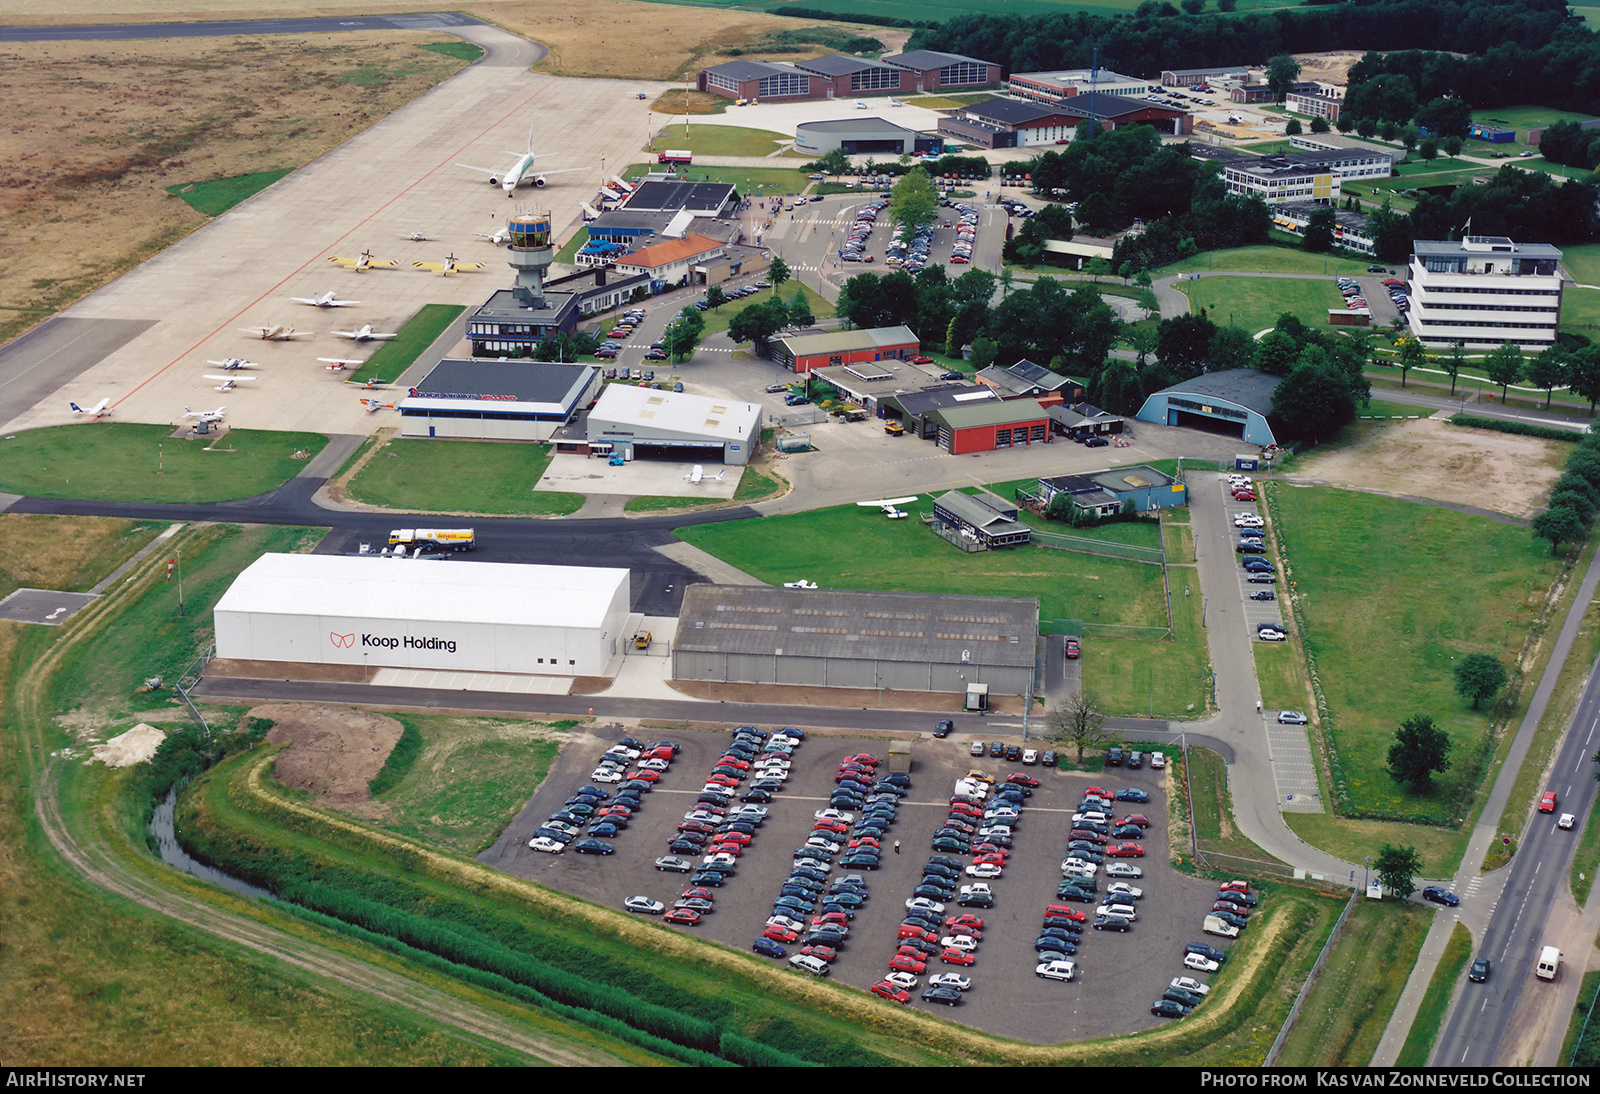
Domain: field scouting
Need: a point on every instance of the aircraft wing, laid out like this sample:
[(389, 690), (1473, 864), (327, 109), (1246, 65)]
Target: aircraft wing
[(881, 502), (421, 266), (557, 171), (229, 379), (483, 170), (469, 265)]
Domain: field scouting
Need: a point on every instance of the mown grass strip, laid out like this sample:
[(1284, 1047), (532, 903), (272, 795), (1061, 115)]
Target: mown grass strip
[(1429, 1020), (217, 196), (393, 357)]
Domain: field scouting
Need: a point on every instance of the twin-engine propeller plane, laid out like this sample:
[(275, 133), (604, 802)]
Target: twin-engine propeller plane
[(229, 364), (365, 334), (228, 383), (277, 332)]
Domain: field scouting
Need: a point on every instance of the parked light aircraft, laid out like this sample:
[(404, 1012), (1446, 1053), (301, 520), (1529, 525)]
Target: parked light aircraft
[(370, 385), (228, 364), (888, 505), (373, 404), (365, 334), (698, 475), (329, 299), (447, 267), (418, 236), (340, 364), (228, 383), (521, 171), (102, 409), (277, 332), (497, 237), (205, 415), (801, 584), (365, 261)]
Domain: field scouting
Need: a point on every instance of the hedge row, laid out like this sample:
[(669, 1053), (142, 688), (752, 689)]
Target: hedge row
[(1521, 429)]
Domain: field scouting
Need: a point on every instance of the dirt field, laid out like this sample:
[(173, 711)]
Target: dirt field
[(1429, 458), (1332, 67), (334, 751)]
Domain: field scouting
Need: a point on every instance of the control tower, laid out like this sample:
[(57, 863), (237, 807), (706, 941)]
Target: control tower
[(530, 254)]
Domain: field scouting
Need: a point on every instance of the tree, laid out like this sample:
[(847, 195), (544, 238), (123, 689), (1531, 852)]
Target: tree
[(1282, 71), (1396, 868), (915, 203), (1319, 231), (1079, 722), (1452, 146), (683, 334), (1420, 748), (1428, 148), (758, 322), (1479, 676), (1503, 366), (1194, 7), (1293, 128), (1559, 524), (1319, 124), (1452, 363), (715, 297), (1315, 400), (1097, 267), (778, 273), (1411, 356), (1583, 374), (800, 311), (833, 163), (1183, 343), (981, 353), (1548, 370)]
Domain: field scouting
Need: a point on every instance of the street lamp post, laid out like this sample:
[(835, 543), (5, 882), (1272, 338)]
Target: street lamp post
[(1366, 882)]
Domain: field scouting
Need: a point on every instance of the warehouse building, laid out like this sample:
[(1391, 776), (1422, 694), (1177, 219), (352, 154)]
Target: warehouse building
[(862, 136), (457, 616), (803, 352), (990, 427), (642, 423), (756, 634), (1235, 402), (497, 400)]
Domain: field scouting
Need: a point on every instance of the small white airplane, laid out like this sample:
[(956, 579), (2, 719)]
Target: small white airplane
[(698, 475), (497, 237), (228, 364), (801, 584), (205, 415), (365, 334), (365, 261), (328, 299), (340, 364), (418, 236), (102, 409), (889, 506), (228, 383), (277, 332), (371, 405), (447, 267), (521, 172), (369, 385)]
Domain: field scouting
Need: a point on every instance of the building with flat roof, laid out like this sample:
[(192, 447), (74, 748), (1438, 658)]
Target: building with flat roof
[(702, 199), (912, 409), (1054, 87), (1083, 420), (1327, 142), (642, 423), (1278, 180), (803, 352), (1010, 123), (830, 638), (1234, 401), (1485, 291), (1314, 104), (1104, 493), (930, 70), (497, 400), (1027, 380), (1197, 77), (862, 136), (839, 76), (457, 616)]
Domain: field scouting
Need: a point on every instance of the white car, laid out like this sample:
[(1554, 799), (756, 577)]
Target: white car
[(985, 869), (1270, 635), (721, 858), (959, 942), (1123, 889), (823, 845), (547, 845), (674, 864), (561, 826), (923, 904), (1158, 759), (1076, 867), (1098, 818), (786, 923), (1030, 756), (950, 980), (606, 775), (779, 773), (653, 765), (977, 888), (1124, 910), (1189, 983), (623, 752), (1055, 970), (1123, 869), (1291, 718), (833, 814), (902, 980), (1567, 821), (1199, 963), (644, 905)]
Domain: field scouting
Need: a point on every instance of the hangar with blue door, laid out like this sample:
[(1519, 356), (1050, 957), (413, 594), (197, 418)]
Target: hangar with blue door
[(1236, 402)]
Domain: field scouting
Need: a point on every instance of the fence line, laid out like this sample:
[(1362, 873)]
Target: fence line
[(189, 678), (1084, 545), (1305, 989)]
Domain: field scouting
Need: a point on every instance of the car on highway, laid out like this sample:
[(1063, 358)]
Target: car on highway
[(1547, 802), (1567, 821), (1480, 970)]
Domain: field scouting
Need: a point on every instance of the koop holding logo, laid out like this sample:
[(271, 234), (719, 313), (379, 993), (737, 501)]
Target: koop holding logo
[(343, 641)]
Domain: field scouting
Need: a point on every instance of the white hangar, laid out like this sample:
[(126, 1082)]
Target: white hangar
[(466, 616), (643, 422)]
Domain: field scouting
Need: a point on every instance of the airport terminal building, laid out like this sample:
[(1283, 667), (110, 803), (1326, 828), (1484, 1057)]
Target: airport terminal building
[(434, 615)]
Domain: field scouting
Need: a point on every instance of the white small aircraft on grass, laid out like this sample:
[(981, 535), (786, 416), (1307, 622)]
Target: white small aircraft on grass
[(888, 505), (365, 261), (365, 334), (205, 415), (698, 475), (228, 364), (277, 332), (102, 409), (328, 299), (447, 267), (341, 364), (228, 383), (801, 584)]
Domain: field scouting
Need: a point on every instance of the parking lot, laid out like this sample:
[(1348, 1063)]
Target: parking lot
[(1118, 974)]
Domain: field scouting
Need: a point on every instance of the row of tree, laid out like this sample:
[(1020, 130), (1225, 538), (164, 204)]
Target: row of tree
[(1574, 499)]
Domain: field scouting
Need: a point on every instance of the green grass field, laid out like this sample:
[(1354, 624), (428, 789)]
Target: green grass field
[(217, 196), (126, 461), (751, 181), (1346, 1010), (440, 476), (393, 357), (720, 140), (1265, 259), (461, 51), (1254, 305), (1390, 593)]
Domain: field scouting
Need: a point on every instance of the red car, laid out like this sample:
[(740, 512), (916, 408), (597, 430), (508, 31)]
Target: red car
[(963, 930), (686, 916), (733, 849), (1236, 886), (699, 893), (740, 838), (732, 761), (966, 809), (821, 953), (922, 360), (646, 775), (780, 934), (903, 962), (888, 991), (1229, 906), (1023, 780), (1073, 650), (722, 780), (965, 919), (1097, 792), (1126, 850), (863, 841), (1135, 818), (1063, 911), (911, 930), (957, 957), (830, 826), (1547, 802)]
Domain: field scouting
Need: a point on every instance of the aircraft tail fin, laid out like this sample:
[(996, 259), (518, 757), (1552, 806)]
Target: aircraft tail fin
[(76, 408)]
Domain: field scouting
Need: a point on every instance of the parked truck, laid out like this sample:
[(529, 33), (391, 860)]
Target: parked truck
[(444, 539)]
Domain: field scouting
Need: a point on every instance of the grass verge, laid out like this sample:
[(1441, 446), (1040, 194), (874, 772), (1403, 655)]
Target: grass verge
[(1581, 1047), (1213, 809), (217, 196), (435, 476), (1345, 1012), (66, 553), (1254, 305), (392, 358), (1430, 1016), (127, 461)]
